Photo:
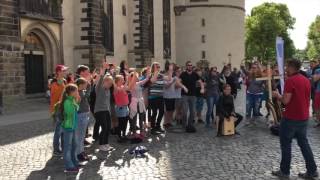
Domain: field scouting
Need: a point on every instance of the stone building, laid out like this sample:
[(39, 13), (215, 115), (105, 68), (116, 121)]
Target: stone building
[(138, 31), (30, 44), (35, 35)]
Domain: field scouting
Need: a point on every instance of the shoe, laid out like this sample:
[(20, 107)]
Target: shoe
[(308, 176), (57, 153), (280, 174), (317, 125), (159, 129), (154, 131), (200, 121), (167, 125), (237, 133), (81, 157), (219, 135), (86, 143), (72, 170), (260, 114)]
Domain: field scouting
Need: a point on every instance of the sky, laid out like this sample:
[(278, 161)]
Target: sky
[(305, 12)]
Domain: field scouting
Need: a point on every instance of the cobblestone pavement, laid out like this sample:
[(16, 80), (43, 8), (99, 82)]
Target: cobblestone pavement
[(26, 153)]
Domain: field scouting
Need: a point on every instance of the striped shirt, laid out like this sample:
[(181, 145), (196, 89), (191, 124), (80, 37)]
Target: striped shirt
[(156, 88)]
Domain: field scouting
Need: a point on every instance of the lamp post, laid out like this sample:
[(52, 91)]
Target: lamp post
[(229, 57)]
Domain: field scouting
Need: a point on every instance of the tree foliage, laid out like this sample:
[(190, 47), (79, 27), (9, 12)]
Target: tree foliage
[(265, 23), (313, 47)]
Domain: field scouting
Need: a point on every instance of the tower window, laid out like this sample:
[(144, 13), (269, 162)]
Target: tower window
[(124, 39), (124, 10), (203, 38), (203, 54), (203, 22)]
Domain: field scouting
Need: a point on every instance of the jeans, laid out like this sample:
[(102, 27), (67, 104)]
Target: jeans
[(83, 121), (103, 120), (253, 104), (289, 130), (157, 111), (189, 104), (57, 137), (199, 104), (69, 149), (211, 101)]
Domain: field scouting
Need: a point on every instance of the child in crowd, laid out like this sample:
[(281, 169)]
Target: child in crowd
[(83, 117), (137, 105), (179, 102), (57, 86), (69, 108), (225, 108), (121, 101), (102, 108)]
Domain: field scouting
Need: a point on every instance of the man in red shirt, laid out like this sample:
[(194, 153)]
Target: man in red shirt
[(296, 99)]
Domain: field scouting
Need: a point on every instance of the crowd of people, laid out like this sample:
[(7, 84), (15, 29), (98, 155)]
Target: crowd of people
[(150, 101)]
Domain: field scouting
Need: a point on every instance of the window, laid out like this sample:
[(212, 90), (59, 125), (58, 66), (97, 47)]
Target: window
[(124, 39), (203, 38), (107, 27), (203, 54), (166, 29), (124, 10), (203, 22)]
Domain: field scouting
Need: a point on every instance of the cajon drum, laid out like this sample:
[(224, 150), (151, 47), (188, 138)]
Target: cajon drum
[(228, 126)]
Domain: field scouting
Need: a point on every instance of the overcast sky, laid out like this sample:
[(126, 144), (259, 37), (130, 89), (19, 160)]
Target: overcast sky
[(305, 12)]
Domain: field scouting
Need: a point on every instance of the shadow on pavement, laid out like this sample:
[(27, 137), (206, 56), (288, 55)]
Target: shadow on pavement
[(18, 132)]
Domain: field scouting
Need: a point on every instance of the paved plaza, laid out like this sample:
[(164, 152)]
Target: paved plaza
[(26, 153)]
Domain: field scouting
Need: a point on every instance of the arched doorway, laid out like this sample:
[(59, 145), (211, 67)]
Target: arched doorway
[(41, 54), (34, 64)]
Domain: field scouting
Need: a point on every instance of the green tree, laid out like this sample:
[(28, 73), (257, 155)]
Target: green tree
[(265, 23), (301, 54), (313, 48)]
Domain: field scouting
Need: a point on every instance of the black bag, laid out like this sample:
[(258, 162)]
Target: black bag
[(275, 129), (190, 129)]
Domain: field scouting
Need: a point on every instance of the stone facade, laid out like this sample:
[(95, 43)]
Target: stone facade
[(12, 81), (18, 22)]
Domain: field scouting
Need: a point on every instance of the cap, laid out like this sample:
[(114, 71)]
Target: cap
[(61, 67)]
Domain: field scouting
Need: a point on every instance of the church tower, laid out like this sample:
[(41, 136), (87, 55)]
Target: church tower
[(211, 30)]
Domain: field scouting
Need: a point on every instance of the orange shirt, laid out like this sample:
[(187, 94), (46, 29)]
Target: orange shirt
[(56, 91)]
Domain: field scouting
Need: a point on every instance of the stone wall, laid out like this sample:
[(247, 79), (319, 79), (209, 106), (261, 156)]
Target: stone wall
[(93, 33), (12, 80)]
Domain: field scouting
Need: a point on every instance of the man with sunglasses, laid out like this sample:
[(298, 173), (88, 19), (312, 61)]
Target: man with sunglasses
[(189, 79)]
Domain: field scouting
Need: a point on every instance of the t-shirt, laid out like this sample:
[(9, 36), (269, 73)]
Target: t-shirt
[(156, 88), (198, 88), (56, 91), (170, 92), (298, 107), (189, 80), (121, 98), (212, 85)]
